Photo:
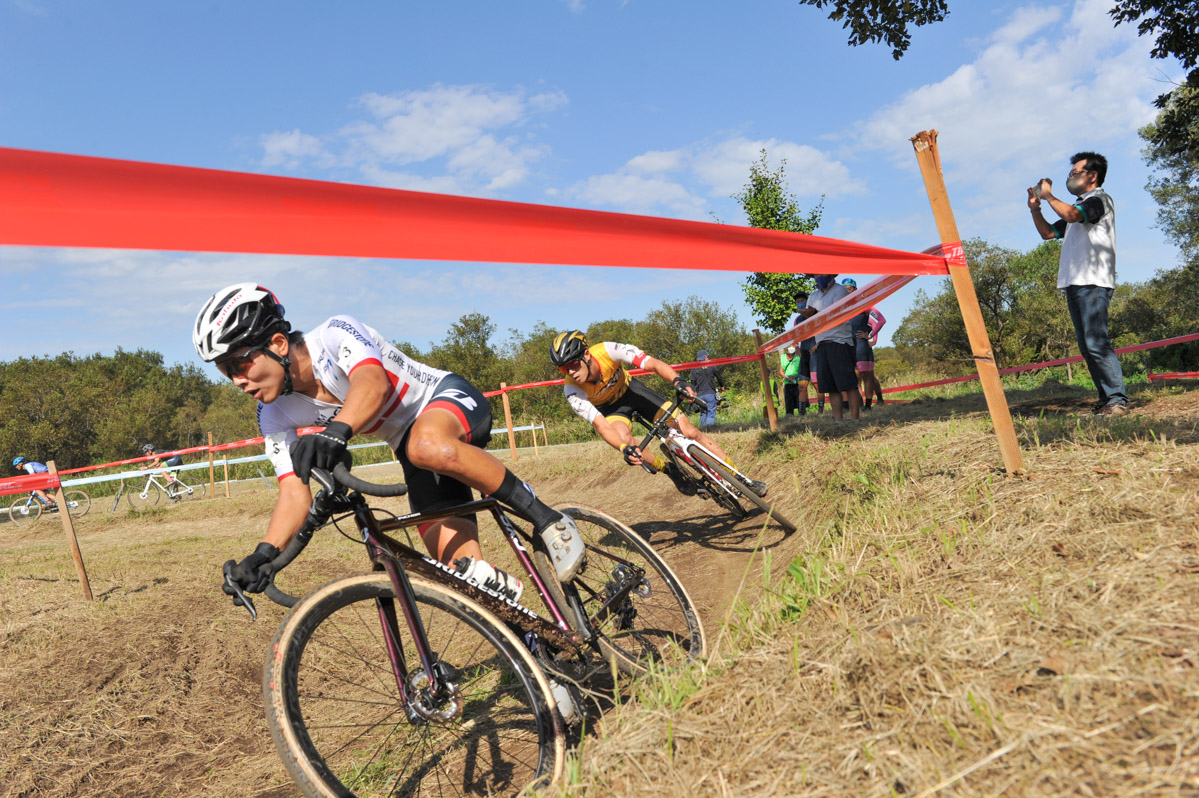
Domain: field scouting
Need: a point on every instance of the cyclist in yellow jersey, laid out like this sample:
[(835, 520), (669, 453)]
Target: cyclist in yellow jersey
[(603, 393)]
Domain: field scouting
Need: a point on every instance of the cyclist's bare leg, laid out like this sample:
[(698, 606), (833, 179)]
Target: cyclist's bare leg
[(452, 538), (42, 495), (684, 425)]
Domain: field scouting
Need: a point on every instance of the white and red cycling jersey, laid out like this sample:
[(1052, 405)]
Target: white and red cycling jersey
[(337, 347)]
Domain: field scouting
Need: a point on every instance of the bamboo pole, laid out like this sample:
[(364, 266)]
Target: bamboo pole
[(767, 393), (929, 158), (508, 419), (68, 528), (212, 471)]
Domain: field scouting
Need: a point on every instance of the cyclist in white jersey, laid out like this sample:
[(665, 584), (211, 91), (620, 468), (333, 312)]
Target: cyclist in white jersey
[(344, 376)]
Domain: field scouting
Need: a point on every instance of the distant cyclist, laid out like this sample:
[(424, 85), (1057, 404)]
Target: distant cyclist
[(33, 467), (345, 377), (167, 467), (602, 392)]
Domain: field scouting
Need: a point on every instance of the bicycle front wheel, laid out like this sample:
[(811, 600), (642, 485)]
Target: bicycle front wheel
[(23, 511), (727, 474), (78, 503), (342, 728), (655, 621), (146, 497)]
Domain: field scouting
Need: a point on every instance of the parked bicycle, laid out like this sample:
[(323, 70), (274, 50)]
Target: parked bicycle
[(175, 490), (27, 509), (706, 475), (414, 678)]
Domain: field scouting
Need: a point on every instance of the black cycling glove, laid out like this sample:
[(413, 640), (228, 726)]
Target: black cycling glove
[(253, 573), (630, 452), (323, 450), (681, 385)]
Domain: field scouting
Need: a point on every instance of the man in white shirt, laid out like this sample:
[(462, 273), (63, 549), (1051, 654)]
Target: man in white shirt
[(834, 350), (1087, 270)]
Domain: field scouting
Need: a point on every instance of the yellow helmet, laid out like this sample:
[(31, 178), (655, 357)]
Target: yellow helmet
[(568, 347)]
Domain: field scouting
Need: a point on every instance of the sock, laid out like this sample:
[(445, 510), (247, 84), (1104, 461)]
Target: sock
[(658, 463), (516, 494)]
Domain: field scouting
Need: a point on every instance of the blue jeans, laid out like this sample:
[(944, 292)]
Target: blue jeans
[(708, 417), (1088, 310)]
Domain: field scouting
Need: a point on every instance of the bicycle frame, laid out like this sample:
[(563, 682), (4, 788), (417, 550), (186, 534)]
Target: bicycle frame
[(398, 559), (151, 478), (678, 447)]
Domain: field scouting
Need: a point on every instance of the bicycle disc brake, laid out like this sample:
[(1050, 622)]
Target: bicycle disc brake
[(624, 613), (424, 705)]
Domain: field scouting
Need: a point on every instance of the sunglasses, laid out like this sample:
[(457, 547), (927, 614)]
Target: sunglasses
[(571, 366), (1077, 172), (238, 366)]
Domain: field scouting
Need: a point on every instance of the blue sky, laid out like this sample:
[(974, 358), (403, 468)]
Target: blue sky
[(635, 106)]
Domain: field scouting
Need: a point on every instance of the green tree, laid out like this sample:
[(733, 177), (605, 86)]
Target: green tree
[(767, 205), (1172, 149), (882, 20), (1017, 293)]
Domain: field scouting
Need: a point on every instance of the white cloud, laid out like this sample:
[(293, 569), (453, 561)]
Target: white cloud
[(678, 182), (1040, 86), (290, 148), (457, 139)]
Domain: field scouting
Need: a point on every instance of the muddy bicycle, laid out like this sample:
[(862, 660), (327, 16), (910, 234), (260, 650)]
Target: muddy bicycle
[(28, 509), (698, 472), (415, 679)]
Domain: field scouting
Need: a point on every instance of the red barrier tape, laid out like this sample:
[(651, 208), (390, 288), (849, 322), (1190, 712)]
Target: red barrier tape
[(720, 361), (1174, 375), (840, 311), (1182, 339), (29, 482), (56, 200)]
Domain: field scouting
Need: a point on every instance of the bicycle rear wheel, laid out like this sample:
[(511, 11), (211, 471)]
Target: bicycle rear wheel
[(78, 503), (727, 474), (146, 497), (23, 511), (183, 492), (655, 621), (341, 727)]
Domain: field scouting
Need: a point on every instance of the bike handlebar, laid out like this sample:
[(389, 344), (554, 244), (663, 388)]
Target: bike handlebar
[(318, 515), (664, 420)]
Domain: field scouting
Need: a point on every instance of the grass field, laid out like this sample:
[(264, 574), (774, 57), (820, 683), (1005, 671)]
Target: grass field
[(934, 627)]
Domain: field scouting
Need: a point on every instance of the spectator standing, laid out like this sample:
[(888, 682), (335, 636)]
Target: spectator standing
[(865, 327), (789, 368), (706, 380), (806, 369), (1087, 269), (834, 350)]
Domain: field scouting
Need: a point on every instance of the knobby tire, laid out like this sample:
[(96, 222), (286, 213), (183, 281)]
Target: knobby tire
[(662, 627), (726, 473), (335, 712)]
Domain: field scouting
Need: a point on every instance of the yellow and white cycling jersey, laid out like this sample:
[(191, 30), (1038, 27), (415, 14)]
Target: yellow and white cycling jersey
[(613, 382)]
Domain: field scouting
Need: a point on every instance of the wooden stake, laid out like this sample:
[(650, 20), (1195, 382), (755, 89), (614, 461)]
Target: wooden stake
[(767, 393), (508, 419), (211, 470), (225, 460), (929, 158), (68, 527), (534, 431)]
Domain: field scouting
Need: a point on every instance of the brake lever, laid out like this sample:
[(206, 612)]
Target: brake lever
[(246, 601)]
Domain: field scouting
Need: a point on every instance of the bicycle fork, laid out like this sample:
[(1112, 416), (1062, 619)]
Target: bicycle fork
[(428, 694)]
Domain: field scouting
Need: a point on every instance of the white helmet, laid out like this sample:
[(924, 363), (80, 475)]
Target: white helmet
[(240, 315)]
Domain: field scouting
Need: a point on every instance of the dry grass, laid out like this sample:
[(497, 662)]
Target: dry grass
[(934, 625), (942, 628)]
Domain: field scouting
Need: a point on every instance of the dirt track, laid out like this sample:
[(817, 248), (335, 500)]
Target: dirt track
[(154, 688)]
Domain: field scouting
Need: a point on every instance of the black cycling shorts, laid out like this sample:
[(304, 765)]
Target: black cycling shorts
[(637, 398), (427, 490)]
